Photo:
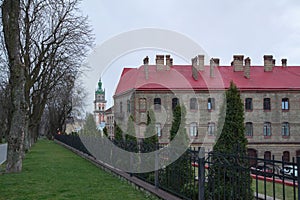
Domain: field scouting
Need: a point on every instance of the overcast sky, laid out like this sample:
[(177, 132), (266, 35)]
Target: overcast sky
[(221, 27)]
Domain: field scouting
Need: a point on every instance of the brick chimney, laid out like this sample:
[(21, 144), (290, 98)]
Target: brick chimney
[(212, 67), (160, 63), (168, 60), (238, 61), (268, 63), (247, 68), (160, 60), (284, 62)]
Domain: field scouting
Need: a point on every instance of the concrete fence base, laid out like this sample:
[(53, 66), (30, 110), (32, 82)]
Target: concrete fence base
[(3, 153)]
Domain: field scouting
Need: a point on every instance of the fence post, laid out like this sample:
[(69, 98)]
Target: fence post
[(201, 173), (298, 167), (156, 182)]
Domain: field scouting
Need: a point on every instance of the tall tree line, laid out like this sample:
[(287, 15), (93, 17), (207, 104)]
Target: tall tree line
[(45, 43)]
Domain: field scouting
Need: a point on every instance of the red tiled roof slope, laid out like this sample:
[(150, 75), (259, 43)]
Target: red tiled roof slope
[(179, 77)]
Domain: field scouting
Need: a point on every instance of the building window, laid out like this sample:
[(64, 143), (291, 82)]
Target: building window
[(211, 129), (267, 129), (285, 104), (285, 129), (267, 104), (286, 156), (158, 129), (193, 129), (267, 155), (175, 102), (249, 129), (193, 104), (248, 104), (128, 106), (211, 104), (157, 104), (121, 107), (142, 104)]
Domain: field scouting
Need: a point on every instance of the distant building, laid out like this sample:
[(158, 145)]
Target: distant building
[(109, 122), (271, 96), (100, 106)]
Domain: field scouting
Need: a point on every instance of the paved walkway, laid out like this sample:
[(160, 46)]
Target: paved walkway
[(3, 153)]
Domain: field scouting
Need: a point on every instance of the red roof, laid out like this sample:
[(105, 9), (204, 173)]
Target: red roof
[(179, 77)]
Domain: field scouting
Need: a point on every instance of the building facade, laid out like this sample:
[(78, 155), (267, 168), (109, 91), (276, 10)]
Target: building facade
[(109, 122), (271, 96)]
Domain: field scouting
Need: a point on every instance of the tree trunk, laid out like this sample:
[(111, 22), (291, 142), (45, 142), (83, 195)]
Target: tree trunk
[(11, 29)]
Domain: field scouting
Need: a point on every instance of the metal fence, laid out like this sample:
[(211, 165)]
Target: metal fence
[(211, 175)]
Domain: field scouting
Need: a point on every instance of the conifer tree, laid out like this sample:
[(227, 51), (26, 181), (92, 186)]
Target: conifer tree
[(233, 178), (151, 139), (118, 132), (182, 165)]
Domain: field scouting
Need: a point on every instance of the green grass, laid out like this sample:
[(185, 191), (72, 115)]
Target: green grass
[(52, 172), (289, 190)]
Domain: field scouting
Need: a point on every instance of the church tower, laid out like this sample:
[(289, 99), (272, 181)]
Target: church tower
[(99, 106)]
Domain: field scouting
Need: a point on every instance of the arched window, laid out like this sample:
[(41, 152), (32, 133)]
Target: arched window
[(193, 129), (210, 104), (175, 102), (248, 104), (267, 155), (252, 153), (249, 129), (211, 128), (267, 129), (157, 104), (286, 156), (128, 106), (267, 104), (285, 104), (193, 104), (158, 129), (142, 104), (285, 129)]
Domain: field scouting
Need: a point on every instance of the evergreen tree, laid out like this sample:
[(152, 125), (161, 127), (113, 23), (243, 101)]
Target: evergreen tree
[(118, 132), (182, 166), (151, 139), (130, 137), (232, 179), (90, 127), (105, 132)]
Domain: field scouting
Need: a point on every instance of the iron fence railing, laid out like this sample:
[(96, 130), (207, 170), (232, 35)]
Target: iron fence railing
[(211, 175)]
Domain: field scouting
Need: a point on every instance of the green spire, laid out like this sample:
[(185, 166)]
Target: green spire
[(99, 90)]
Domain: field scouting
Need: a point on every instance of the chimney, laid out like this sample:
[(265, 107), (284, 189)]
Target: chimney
[(268, 63), (247, 67), (160, 59), (284, 62), (216, 61), (171, 61), (200, 62), (238, 61), (146, 67), (146, 60), (212, 68), (160, 63), (168, 60), (197, 65)]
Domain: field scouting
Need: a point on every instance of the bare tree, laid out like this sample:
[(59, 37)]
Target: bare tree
[(17, 123), (46, 42), (55, 41)]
